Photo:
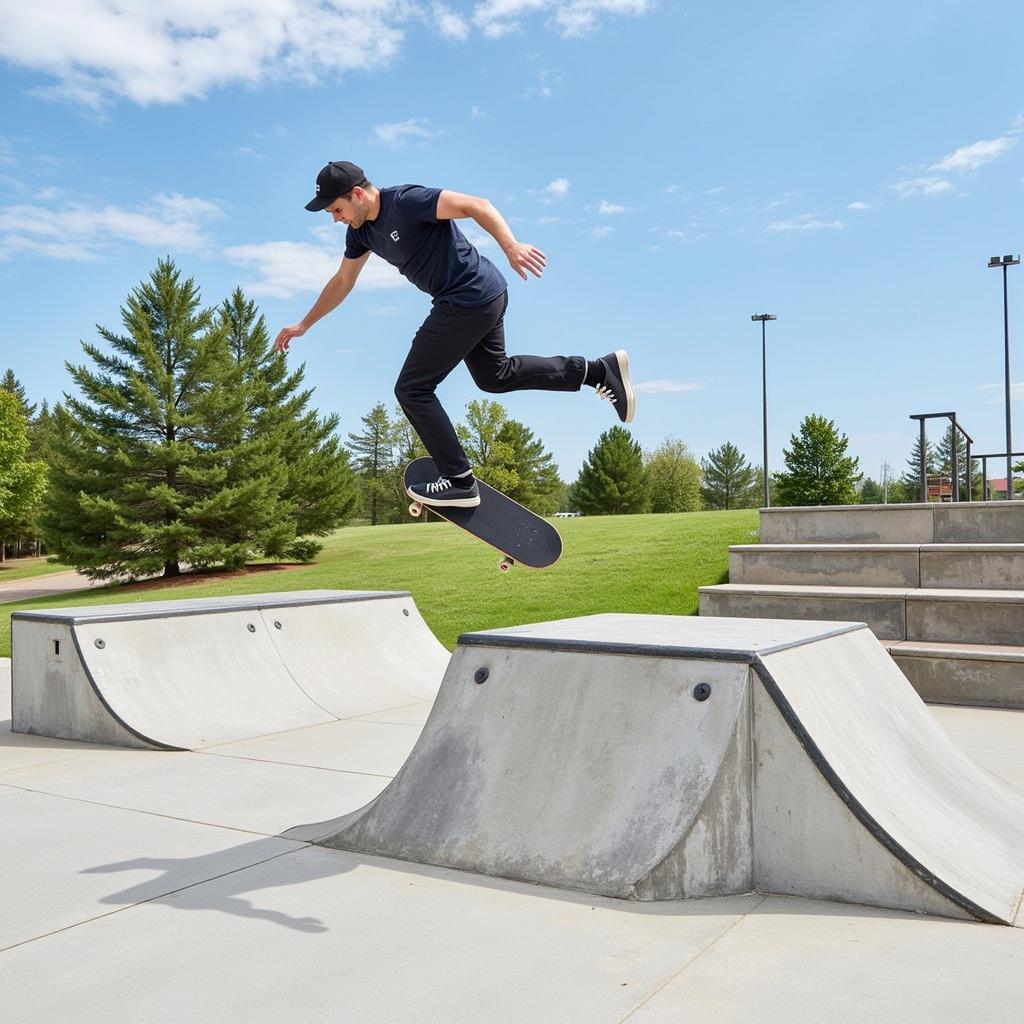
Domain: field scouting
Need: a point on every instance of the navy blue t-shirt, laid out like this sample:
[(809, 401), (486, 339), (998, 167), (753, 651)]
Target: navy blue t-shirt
[(434, 254)]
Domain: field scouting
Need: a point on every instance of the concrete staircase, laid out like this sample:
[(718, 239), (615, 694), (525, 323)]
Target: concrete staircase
[(941, 585)]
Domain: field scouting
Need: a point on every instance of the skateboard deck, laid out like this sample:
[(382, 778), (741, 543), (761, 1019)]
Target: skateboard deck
[(519, 535)]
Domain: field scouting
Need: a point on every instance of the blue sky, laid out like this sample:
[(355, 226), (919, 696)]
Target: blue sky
[(849, 169)]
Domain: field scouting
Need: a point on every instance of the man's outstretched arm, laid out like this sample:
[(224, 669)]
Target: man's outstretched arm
[(334, 293), (522, 257)]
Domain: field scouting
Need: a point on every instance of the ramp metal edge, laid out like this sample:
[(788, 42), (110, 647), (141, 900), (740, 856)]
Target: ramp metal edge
[(75, 617), (748, 656)]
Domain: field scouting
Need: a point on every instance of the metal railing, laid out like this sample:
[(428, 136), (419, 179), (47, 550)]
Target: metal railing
[(954, 454), (984, 472)]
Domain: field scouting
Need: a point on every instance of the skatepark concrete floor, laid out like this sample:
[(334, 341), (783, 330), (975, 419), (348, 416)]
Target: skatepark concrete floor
[(152, 886)]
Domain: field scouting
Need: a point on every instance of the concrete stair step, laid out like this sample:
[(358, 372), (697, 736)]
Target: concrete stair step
[(967, 566), (960, 523), (990, 675), (892, 613)]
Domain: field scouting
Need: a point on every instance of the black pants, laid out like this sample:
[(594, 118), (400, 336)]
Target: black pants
[(451, 334)]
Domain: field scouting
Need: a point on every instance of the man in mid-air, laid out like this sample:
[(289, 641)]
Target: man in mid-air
[(414, 229)]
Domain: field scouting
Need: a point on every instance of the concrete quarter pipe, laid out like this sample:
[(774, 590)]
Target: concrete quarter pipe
[(661, 757), (196, 673)]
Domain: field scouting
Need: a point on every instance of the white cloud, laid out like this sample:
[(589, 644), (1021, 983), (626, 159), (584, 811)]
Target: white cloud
[(94, 51), (715, 191), (548, 83), (910, 188), (395, 135), (478, 113), (286, 269), (80, 232), (805, 222), (859, 206), (449, 24), (554, 191), (667, 387), (998, 392), (611, 209), (783, 201), (602, 232), (384, 310), (968, 159), (497, 18)]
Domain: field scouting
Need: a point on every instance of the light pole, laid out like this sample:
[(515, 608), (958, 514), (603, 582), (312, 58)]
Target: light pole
[(1004, 262), (763, 317)]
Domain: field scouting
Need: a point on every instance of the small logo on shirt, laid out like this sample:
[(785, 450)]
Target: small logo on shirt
[(394, 236)]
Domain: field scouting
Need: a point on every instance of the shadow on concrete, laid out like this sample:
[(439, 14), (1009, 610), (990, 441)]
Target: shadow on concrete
[(187, 883)]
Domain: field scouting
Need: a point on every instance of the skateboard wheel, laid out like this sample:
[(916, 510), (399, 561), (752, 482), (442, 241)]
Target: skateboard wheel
[(505, 564), (415, 509)]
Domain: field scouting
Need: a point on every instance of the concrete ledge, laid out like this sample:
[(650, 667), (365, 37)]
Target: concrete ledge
[(964, 522), (844, 565), (981, 675), (882, 609), (966, 616)]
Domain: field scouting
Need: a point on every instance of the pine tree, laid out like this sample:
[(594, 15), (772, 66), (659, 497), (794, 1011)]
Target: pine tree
[(375, 463), (612, 480), (819, 470), (491, 458), (11, 384), (299, 454), (674, 478), (539, 487), (871, 492), (153, 464), (22, 481), (944, 462), (729, 480), (911, 479)]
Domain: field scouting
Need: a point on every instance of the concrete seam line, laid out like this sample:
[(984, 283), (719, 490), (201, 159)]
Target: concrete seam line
[(152, 899), (689, 963)]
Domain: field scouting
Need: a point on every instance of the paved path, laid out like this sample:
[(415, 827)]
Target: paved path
[(42, 586)]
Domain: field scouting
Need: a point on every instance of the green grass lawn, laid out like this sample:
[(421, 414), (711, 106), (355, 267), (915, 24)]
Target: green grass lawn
[(651, 563), (26, 568)]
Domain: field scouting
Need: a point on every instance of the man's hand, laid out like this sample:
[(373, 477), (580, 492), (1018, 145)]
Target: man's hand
[(286, 335), (525, 258)]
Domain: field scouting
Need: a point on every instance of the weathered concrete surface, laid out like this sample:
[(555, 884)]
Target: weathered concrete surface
[(196, 673), (980, 522), (583, 758), (842, 565), (977, 522), (966, 616), (973, 566), (848, 524), (982, 675), (882, 609)]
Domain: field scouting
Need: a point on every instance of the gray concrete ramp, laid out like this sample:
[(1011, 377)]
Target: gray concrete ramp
[(659, 757), (196, 673)]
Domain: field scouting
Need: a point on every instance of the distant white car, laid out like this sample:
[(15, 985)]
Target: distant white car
[(568, 515)]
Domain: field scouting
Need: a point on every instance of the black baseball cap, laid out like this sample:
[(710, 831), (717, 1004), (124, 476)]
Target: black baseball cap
[(337, 178)]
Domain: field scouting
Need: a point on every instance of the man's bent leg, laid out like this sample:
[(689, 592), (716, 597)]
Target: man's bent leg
[(441, 343), (498, 373)]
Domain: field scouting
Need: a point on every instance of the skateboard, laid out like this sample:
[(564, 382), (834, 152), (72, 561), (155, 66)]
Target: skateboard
[(519, 535)]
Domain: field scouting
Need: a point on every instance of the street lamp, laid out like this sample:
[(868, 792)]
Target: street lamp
[(1004, 262), (763, 317)]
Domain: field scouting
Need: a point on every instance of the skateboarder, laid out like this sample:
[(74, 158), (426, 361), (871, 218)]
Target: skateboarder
[(414, 229)]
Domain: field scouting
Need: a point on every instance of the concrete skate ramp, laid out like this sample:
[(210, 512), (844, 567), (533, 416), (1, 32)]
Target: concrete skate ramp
[(195, 673), (659, 757)]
